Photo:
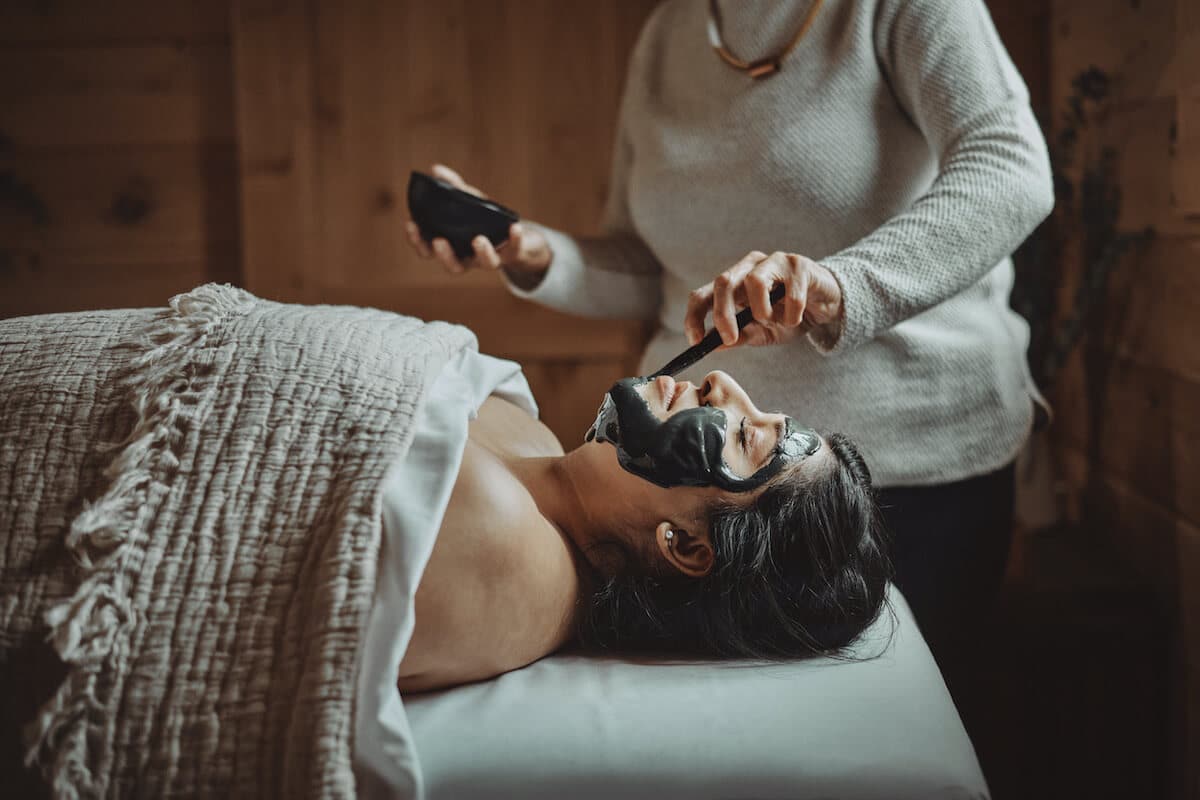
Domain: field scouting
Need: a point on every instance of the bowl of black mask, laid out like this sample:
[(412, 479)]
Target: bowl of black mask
[(443, 210)]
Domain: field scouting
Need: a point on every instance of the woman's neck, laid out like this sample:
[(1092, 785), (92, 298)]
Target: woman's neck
[(573, 501)]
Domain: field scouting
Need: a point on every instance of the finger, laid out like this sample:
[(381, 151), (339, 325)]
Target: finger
[(825, 295), (727, 289), (414, 238), (753, 335), (759, 283), (445, 254), (699, 301), (450, 176), (513, 248), (485, 254), (758, 335), (796, 299)]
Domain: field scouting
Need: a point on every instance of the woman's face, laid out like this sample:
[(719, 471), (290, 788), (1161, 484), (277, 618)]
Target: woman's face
[(680, 434)]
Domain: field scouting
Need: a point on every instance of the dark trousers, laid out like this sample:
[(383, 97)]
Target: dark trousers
[(950, 547)]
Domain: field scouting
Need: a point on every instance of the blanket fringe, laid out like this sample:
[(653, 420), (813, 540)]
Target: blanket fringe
[(90, 629)]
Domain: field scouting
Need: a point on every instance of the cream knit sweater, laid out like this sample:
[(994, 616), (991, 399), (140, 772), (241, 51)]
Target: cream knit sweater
[(896, 147)]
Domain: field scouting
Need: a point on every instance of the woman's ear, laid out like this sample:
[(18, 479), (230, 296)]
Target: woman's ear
[(690, 553)]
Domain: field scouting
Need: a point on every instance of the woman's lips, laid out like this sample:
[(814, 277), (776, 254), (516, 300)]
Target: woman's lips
[(666, 388)]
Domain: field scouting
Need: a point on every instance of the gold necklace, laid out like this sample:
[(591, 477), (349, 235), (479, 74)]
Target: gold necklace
[(763, 67)]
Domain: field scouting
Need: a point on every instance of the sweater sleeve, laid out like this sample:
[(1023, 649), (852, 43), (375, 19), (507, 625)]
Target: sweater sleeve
[(614, 274), (951, 74)]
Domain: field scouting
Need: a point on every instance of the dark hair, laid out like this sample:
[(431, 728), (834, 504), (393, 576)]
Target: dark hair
[(801, 571)]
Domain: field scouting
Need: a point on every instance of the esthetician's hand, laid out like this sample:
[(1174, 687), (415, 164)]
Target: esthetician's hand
[(524, 256), (812, 300)]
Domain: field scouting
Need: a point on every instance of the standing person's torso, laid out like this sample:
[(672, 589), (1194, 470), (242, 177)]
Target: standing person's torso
[(809, 161)]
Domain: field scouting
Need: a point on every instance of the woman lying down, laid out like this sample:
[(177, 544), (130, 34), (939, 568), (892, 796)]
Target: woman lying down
[(690, 522), (241, 524)]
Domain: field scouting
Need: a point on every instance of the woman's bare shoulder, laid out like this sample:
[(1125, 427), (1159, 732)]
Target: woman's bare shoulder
[(510, 431), (500, 587)]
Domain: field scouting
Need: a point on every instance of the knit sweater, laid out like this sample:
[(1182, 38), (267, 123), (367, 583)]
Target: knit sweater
[(897, 148)]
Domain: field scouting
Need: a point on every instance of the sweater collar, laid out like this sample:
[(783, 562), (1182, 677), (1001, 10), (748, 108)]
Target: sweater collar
[(754, 29)]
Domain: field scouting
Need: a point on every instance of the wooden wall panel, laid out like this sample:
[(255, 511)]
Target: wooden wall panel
[(1134, 42), (338, 102), (116, 95), (519, 97), (57, 22), (1127, 429), (119, 172), (1186, 177), (1153, 307), (1139, 425), (128, 228), (272, 57), (1144, 132), (145, 206)]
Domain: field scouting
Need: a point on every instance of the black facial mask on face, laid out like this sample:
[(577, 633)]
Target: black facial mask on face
[(686, 449)]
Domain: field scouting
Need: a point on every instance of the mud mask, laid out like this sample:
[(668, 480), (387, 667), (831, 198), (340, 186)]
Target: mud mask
[(687, 448)]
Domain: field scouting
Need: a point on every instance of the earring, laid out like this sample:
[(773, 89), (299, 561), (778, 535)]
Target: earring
[(669, 536)]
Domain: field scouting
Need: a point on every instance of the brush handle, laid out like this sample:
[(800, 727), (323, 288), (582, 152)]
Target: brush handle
[(712, 340)]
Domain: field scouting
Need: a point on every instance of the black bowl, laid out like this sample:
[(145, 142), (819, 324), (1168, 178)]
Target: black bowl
[(440, 209)]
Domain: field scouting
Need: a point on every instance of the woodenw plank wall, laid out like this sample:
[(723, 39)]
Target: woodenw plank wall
[(1128, 422), (118, 170), (338, 102)]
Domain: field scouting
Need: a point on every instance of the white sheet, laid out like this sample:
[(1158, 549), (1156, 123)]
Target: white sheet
[(571, 726), (577, 727), (415, 493)]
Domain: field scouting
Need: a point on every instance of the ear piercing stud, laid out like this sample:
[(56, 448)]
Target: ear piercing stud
[(669, 536)]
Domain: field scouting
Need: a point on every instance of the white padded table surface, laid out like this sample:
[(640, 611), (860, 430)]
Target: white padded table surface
[(583, 727)]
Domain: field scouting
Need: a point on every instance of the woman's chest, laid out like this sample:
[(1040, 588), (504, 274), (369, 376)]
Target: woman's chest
[(500, 586), (509, 432)]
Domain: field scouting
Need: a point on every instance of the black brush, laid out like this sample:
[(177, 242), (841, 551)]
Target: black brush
[(711, 340)]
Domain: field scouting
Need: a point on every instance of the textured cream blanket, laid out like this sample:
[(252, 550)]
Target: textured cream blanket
[(190, 512)]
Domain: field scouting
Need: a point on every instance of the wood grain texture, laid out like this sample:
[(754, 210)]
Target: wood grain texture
[(519, 97), (1164, 551), (28, 290), (37, 22), (1134, 42), (1144, 136), (129, 96), (142, 206), (116, 152), (1186, 173), (1153, 307), (338, 102), (273, 88), (1127, 430), (1138, 424)]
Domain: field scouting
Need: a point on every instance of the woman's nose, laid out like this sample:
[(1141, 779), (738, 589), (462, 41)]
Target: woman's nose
[(719, 389)]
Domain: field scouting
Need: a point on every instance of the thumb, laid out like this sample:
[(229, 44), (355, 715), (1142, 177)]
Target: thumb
[(451, 177), (523, 245)]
